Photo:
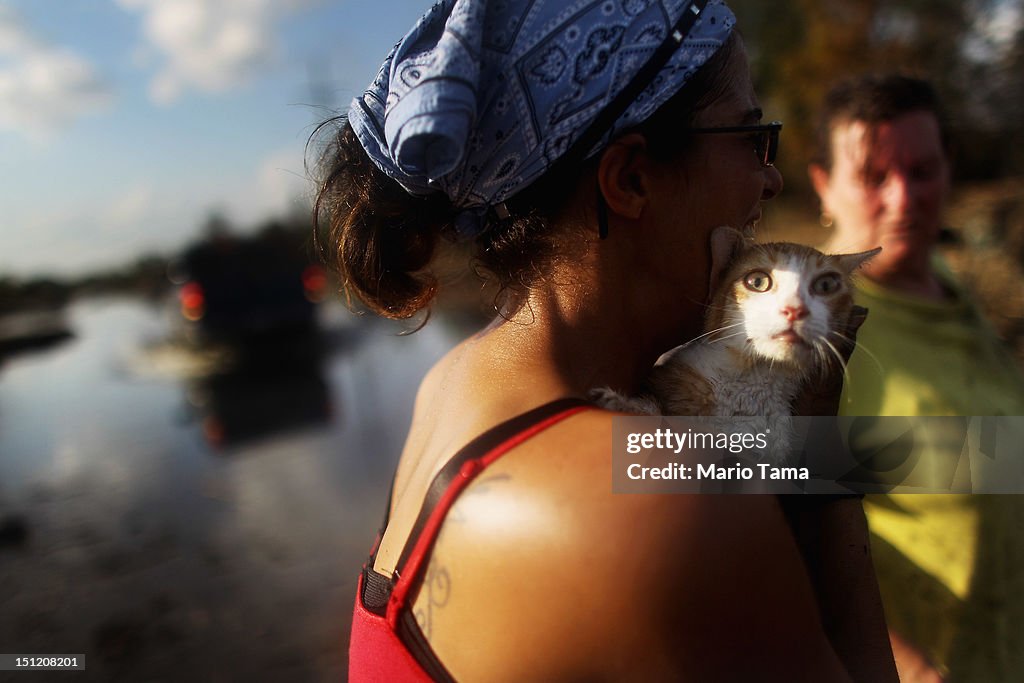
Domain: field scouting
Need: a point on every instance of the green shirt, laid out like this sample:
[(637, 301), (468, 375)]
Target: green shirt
[(922, 357), (950, 567)]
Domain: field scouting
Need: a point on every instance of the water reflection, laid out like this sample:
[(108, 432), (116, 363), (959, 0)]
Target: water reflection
[(30, 331), (143, 547), (272, 386)]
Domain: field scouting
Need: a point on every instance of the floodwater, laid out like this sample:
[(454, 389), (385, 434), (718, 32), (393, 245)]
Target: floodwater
[(171, 522)]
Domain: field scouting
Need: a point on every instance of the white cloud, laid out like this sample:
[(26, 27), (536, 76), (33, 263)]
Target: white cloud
[(128, 211), (209, 45), (43, 87), (70, 238), (275, 187), (282, 180)]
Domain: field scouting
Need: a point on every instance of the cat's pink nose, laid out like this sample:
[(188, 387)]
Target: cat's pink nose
[(792, 313)]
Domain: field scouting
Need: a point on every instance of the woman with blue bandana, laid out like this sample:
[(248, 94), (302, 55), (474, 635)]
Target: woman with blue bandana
[(586, 150)]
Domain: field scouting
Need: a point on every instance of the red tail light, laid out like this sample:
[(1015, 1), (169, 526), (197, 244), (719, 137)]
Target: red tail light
[(193, 303), (314, 281)]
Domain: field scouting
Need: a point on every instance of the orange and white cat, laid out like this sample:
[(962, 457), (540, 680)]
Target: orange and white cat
[(777, 316)]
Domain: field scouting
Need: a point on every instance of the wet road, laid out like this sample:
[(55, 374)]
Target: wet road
[(181, 524)]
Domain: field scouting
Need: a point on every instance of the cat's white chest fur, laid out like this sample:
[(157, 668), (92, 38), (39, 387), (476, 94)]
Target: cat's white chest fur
[(758, 390), (736, 398), (761, 394)]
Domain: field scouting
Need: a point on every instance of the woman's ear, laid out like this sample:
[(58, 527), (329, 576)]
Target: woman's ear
[(622, 175), (820, 182)]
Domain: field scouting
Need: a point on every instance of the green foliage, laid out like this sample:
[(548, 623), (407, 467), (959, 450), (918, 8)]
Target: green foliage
[(39, 293), (150, 274)]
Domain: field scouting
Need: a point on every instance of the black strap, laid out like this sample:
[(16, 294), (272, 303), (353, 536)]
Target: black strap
[(476, 448), (419, 647), (640, 81), (376, 590), (579, 149), (377, 587)]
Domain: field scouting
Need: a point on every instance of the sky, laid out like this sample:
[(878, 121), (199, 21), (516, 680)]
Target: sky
[(126, 124)]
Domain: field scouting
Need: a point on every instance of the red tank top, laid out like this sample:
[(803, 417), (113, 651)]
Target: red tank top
[(386, 643)]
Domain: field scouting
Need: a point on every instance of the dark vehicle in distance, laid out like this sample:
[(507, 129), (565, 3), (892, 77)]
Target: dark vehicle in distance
[(238, 289), (261, 398)]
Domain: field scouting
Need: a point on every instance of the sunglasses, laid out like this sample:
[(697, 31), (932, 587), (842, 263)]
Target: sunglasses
[(765, 137)]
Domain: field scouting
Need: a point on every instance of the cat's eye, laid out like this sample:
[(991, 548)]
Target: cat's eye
[(758, 281), (826, 284)]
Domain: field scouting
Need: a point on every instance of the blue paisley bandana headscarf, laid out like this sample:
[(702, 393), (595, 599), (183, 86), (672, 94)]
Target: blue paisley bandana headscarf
[(483, 96)]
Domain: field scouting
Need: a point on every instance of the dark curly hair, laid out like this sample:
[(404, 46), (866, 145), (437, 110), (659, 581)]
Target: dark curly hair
[(874, 99)]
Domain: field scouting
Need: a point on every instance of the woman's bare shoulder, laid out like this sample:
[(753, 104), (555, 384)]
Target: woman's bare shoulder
[(656, 583), (568, 469)]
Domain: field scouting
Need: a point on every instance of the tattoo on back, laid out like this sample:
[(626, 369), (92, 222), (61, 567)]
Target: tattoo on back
[(434, 595)]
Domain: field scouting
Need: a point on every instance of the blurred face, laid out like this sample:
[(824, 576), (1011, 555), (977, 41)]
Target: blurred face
[(886, 188)]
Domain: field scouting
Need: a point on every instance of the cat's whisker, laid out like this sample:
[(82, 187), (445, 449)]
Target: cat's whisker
[(866, 350), (823, 361), (839, 357), (712, 307), (705, 304), (720, 329), (728, 336), (824, 358)]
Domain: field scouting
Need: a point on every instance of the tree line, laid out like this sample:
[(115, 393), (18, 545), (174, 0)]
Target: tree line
[(971, 50)]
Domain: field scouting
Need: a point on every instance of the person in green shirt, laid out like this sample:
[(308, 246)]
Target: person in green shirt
[(950, 567)]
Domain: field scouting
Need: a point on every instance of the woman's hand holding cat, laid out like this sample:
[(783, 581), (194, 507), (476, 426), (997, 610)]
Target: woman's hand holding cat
[(820, 394), (832, 535)]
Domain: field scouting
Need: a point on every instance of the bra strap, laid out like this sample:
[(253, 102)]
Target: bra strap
[(463, 467)]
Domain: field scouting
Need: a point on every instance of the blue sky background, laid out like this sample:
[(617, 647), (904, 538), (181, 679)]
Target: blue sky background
[(125, 123)]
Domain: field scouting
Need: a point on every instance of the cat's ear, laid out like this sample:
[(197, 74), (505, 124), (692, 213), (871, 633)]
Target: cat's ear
[(851, 262), (726, 243)]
